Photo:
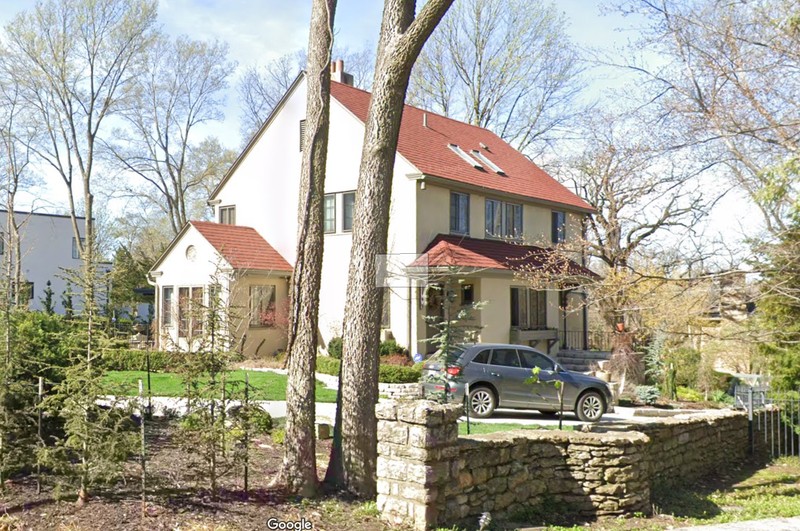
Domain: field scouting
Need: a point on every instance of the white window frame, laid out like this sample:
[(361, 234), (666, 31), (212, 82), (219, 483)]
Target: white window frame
[(457, 218), (325, 211)]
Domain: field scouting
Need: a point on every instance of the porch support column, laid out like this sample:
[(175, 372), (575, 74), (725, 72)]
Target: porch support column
[(585, 321)]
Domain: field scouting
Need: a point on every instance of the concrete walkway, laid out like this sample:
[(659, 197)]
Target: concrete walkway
[(771, 524), (172, 406)]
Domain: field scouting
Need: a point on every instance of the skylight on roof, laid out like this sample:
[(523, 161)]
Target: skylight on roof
[(461, 153), (483, 158)]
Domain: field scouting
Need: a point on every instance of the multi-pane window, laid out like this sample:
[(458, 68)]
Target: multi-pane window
[(190, 311), (227, 215), (503, 220), (166, 305), (329, 212), (196, 306), (459, 213), (559, 226), (528, 308), (348, 204), (262, 305)]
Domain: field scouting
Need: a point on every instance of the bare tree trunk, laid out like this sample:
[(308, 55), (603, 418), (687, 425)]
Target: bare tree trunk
[(354, 454), (299, 470)]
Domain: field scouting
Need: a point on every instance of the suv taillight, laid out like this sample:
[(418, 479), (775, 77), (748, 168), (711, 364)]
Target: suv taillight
[(453, 371)]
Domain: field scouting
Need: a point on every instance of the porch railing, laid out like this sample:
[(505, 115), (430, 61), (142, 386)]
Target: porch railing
[(574, 340)]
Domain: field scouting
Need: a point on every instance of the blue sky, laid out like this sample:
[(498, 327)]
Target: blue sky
[(259, 31)]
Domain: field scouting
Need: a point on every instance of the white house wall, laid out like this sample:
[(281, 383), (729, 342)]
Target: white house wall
[(178, 270), (264, 186), (344, 159), (46, 252)]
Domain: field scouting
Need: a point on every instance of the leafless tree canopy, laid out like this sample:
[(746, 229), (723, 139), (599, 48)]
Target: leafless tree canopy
[(262, 87), (507, 65), (180, 89), (727, 77)]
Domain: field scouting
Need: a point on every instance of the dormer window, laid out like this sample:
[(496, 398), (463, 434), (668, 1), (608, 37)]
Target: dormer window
[(461, 153), (486, 162)]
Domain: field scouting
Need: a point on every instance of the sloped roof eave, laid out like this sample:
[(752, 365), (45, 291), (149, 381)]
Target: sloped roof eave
[(174, 243)]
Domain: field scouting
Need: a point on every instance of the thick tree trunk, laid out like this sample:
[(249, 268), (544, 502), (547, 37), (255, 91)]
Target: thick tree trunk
[(354, 454), (299, 470)]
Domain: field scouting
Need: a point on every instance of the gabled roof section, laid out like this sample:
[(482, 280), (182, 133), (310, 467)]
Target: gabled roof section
[(425, 140), (242, 247), (254, 139), (447, 250)]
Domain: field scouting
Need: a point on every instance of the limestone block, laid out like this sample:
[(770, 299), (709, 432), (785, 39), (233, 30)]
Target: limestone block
[(386, 410), (393, 432)]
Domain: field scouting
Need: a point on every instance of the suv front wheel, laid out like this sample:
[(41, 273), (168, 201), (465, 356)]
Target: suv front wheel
[(590, 407), (482, 402)]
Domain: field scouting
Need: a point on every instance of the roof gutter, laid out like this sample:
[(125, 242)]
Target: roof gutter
[(458, 185)]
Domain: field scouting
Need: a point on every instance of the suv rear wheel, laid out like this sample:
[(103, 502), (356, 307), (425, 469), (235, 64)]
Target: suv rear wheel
[(482, 402), (590, 406)]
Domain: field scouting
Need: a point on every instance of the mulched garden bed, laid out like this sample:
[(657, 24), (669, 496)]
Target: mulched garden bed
[(179, 499)]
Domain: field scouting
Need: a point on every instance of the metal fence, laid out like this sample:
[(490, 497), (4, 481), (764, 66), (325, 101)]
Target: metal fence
[(774, 419)]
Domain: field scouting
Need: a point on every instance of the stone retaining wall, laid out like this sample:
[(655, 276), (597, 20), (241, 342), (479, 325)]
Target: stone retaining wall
[(407, 391), (429, 476)]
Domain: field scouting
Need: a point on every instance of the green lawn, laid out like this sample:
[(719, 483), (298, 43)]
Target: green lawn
[(267, 385)]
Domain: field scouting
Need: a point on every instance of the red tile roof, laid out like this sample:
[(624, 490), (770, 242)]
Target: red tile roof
[(242, 247), (447, 250), (428, 149)]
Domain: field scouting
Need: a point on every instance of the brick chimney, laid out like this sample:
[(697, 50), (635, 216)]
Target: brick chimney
[(338, 74)]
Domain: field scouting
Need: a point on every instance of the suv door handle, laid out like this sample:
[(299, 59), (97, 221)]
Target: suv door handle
[(496, 374)]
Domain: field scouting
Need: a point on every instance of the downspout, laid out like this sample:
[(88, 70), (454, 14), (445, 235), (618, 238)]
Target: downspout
[(585, 321), (157, 304), (408, 318)]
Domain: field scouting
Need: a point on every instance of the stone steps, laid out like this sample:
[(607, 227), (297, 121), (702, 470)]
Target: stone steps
[(581, 361)]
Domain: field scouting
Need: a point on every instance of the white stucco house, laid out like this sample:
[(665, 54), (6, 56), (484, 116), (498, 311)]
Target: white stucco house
[(461, 198), (48, 250)]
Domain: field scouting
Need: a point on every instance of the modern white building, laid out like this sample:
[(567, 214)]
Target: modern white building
[(462, 199), (48, 250)]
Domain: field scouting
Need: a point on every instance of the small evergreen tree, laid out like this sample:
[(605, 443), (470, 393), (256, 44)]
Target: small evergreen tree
[(205, 427), (779, 307), (66, 301), (47, 302), (97, 439)]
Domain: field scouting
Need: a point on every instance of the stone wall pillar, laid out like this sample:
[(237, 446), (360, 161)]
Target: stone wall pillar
[(417, 441)]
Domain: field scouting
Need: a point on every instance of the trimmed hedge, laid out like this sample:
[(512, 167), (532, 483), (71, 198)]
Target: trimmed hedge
[(386, 373), (136, 360), (398, 374), (328, 365)]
